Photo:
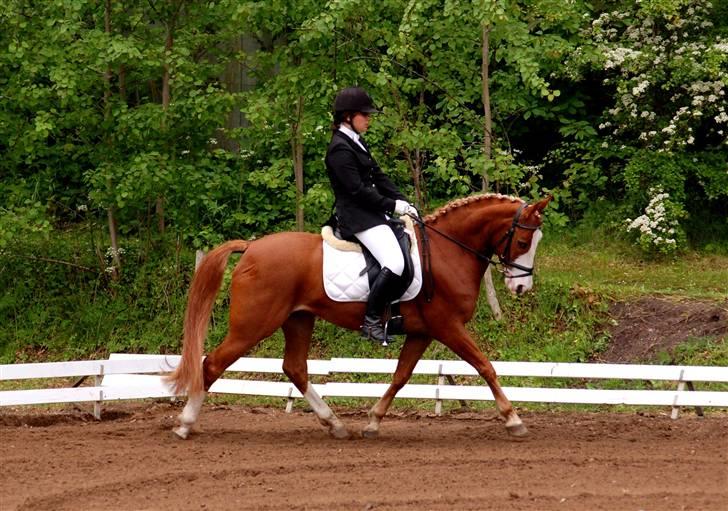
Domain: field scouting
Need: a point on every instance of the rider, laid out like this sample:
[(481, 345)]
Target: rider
[(365, 199)]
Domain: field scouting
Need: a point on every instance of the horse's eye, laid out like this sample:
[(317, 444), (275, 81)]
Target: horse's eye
[(523, 245)]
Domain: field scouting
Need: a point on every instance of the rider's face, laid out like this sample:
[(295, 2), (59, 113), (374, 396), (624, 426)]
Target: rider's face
[(360, 122)]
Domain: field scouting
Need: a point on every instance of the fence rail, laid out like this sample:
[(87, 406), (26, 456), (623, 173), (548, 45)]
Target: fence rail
[(127, 376)]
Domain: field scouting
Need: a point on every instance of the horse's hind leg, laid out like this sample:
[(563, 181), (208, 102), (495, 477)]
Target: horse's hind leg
[(234, 346), (414, 347), (297, 330), (247, 328)]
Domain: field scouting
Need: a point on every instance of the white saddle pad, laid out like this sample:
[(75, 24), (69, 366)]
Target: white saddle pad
[(343, 265)]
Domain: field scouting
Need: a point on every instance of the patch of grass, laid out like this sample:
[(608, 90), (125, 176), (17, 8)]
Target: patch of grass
[(612, 267), (697, 351), (58, 313)]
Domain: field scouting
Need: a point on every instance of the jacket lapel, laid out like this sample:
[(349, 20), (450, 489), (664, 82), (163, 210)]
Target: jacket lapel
[(353, 144)]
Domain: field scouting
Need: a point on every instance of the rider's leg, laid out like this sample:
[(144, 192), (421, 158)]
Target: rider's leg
[(382, 243)]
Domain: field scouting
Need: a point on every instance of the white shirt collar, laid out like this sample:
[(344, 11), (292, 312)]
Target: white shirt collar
[(352, 135)]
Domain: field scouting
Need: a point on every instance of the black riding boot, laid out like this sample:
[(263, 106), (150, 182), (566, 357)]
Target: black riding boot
[(382, 292)]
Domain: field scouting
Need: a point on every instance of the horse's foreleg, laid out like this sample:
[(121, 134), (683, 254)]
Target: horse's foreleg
[(414, 347), (459, 340), (297, 331)]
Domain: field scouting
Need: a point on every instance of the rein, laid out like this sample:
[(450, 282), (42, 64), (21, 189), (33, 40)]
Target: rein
[(488, 258)]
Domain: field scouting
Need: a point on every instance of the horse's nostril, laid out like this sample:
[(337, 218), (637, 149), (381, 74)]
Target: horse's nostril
[(519, 289)]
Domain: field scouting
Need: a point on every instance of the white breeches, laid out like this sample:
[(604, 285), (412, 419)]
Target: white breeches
[(382, 243)]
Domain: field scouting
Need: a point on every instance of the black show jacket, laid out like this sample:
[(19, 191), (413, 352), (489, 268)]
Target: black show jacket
[(363, 193)]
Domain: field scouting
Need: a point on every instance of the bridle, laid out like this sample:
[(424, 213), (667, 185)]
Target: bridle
[(508, 238), (503, 259)]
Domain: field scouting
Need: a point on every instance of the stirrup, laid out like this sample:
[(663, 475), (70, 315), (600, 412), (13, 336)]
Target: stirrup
[(373, 330)]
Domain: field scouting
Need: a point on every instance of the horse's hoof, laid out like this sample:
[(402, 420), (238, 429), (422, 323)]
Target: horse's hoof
[(181, 432), (517, 430), (340, 433), (369, 433)]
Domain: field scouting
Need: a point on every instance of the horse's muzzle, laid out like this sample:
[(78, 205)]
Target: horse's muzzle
[(519, 285)]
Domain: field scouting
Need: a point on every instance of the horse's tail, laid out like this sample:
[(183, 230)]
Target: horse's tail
[(205, 285)]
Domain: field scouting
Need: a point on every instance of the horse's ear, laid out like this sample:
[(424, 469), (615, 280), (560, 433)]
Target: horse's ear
[(538, 207), (541, 205)]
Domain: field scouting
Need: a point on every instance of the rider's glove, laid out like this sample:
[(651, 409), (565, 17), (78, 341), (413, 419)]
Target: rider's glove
[(401, 207), (412, 211)]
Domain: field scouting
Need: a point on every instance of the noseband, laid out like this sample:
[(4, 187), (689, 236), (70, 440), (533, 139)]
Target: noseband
[(503, 259)]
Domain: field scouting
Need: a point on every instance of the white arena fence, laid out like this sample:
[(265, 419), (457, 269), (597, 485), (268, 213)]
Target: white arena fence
[(128, 376)]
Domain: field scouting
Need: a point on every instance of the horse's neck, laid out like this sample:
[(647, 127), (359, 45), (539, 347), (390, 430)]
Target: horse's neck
[(458, 272), (475, 224)]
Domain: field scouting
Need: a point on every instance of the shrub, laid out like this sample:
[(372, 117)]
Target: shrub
[(658, 230)]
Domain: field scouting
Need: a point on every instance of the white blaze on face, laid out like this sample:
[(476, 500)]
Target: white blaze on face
[(520, 285)]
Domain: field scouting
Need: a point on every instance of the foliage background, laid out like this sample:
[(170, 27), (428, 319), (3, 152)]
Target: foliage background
[(174, 125)]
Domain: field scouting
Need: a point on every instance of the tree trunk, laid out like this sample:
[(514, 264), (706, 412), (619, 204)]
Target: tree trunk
[(166, 97), (487, 153), (114, 241), (168, 44), (107, 114), (415, 159), (297, 150), (417, 168), (487, 138), (122, 83)]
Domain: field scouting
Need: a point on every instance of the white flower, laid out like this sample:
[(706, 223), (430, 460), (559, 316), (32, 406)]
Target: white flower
[(640, 88)]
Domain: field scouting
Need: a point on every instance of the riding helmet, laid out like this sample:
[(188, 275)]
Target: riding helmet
[(354, 99)]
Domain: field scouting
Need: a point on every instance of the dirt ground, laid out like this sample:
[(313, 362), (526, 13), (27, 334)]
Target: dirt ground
[(263, 458), (642, 328)]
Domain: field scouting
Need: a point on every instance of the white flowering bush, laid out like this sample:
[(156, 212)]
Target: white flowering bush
[(111, 256), (669, 72), (662, 72), (658, 230)]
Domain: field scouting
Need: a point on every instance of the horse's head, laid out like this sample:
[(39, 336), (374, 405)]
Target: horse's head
[(517, 246)]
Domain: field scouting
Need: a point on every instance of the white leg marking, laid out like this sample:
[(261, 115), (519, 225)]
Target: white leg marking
[(189, 414), (371, 430), (325, 415), (514, 426), (513, 420)]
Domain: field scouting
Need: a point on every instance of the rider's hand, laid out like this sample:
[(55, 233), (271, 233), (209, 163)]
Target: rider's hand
[(401, 207), (412, 211)]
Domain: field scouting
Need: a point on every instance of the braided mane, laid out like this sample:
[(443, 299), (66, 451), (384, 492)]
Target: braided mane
[(454, 204)]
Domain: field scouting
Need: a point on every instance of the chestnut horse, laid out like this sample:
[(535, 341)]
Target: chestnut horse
[(278, 283)]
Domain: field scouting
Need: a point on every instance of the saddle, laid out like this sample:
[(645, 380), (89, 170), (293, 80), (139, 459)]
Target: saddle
[(349, 269)]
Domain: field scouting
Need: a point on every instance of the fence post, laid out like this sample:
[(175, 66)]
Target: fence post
[(289, 403), (199, 256), (97, 383), (698, 409), (440, 381), (680, 387)]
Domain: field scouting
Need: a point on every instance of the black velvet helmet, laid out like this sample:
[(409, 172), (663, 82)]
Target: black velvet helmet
[(353, 99)]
